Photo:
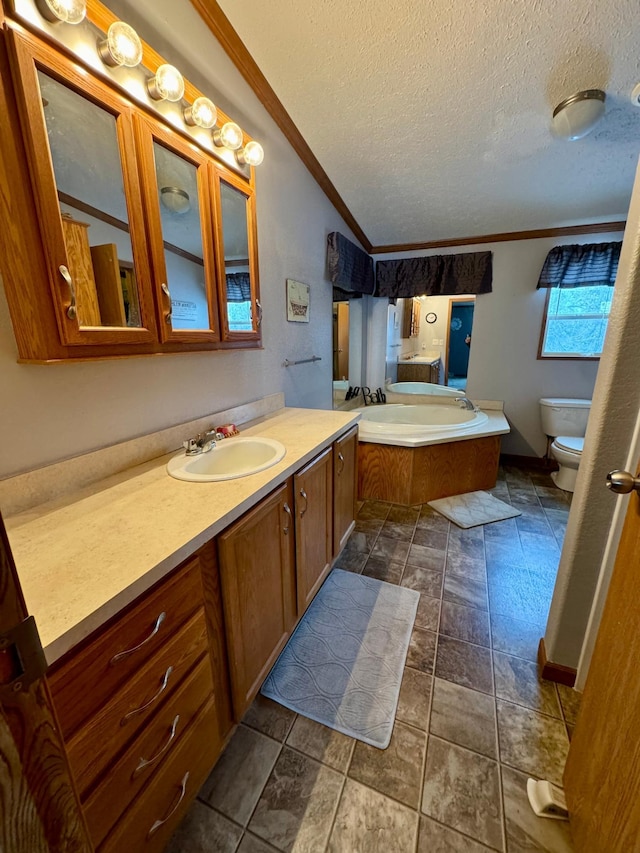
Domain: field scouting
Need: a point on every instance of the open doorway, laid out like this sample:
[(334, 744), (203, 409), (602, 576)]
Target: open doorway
[(340, 341), (458, 345)]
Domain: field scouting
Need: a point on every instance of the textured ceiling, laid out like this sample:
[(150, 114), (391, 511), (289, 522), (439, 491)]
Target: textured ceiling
[(432, 119)]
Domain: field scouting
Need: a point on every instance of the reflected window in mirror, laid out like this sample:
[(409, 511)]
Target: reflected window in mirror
[(85, 153), (235, 235)]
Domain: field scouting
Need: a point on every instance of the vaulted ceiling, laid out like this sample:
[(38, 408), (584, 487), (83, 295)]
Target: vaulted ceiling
[(432, 120)]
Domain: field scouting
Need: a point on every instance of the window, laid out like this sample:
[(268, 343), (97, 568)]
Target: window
[(575, 321)]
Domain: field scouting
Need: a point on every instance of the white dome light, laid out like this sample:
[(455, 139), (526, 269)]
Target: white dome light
[(67, 11), (201, 113), (167, 85), (251, 155), (228, 136), (577, 116), (122, 46)]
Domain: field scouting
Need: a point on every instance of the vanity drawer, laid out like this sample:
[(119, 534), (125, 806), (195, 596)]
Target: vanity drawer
[(170, 793), (101, 738), (155, 744), (85, 682)]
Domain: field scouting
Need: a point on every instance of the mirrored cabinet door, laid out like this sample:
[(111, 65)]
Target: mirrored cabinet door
[(80, 144), (237, 259), (179, 216)]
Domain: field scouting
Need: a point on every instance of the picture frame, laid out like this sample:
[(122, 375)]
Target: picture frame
[(298, 299)]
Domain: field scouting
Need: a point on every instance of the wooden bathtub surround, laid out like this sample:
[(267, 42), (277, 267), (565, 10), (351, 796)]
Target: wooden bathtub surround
[(415, 475)]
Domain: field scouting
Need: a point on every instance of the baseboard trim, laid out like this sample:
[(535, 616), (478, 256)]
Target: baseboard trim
[(554, 671), (538, 462)]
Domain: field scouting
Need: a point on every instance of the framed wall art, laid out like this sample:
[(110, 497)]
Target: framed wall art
[(297, 301)]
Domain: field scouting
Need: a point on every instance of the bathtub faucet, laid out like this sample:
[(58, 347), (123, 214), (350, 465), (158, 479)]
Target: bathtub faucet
[(466, 404)]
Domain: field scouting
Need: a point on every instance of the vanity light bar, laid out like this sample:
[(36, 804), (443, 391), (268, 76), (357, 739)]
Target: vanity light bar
[(67, 11), (122, 47)]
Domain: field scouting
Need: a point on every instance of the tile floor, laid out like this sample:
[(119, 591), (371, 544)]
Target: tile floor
[(473, 720)]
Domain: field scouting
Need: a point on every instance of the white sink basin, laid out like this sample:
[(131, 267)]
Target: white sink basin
[(229, 459)]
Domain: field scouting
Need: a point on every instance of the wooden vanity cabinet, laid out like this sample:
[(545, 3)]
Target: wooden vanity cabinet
[(257, 574), (345, 477), (313, 487), (144, 708)]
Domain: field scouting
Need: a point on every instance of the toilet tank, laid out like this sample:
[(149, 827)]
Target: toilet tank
[(564, 415)]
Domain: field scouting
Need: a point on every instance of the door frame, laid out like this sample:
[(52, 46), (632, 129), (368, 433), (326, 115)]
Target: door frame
[(454, 300)]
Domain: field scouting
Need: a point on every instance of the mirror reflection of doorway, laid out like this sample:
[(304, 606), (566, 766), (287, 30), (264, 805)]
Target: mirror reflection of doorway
[(459, 333), (340, 340)]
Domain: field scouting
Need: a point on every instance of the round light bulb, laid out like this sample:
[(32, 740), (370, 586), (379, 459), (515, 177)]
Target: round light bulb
[(229, 136), (167, 85), (201, 113), (122, 46), (175, 199), (251, 155), (68, 11)]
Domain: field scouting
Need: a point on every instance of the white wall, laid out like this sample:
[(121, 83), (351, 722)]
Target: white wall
[(609, 439), (55, 411), (503, 362)]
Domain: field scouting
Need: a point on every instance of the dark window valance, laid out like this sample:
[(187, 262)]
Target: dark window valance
[(238, 287), (350, 268), (581, 266), (436, 275)]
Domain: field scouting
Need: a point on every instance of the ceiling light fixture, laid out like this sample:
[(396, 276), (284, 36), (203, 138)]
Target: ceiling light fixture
[(577, 115), (167, 84), (228, 136), (67, 11), (201, 113), (122, 46), (175, 199), (251, 155)]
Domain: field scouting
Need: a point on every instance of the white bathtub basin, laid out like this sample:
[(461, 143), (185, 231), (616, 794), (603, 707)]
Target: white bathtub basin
[(397, 420), (229, 459), (423, 388)]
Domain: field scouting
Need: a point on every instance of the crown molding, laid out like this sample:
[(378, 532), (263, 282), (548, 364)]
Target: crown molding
[(504, 237)]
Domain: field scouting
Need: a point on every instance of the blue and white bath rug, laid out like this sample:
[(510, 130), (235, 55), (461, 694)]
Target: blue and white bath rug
[(343, 665)]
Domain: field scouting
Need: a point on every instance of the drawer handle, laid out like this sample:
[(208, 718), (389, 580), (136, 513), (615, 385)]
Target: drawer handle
[(128, 652), (145, 762), (148, 704), (306, 501), (287, 509), (341, 458), (183, 790)]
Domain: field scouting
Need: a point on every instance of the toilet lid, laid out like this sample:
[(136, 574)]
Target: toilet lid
[(572, 443)]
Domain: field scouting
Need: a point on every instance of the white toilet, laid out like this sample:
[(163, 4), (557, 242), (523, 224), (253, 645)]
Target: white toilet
[(565, 420)]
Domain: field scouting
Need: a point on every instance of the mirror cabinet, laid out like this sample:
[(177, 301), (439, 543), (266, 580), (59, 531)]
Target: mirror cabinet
[(138, 240)]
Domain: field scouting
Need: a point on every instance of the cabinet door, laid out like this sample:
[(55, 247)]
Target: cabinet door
[(256, 556), (345, 451), (79, 140), (314, 511), (237, 250), (179, 218)]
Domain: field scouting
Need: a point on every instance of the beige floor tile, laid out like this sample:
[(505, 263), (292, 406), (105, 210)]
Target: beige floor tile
[(422, 650), (395, 771), (518, 681), (322, 743), (464, 716), (424, 581), (204, 830), (531, 742), (515, 637), (238, 778), (436, 838), (415, 698), (464, 664), (527, 833), (296, 809), (462, 790), (251, 844), (428, 614), (269, 717), (570, 700), (465, 623), (368, 822)]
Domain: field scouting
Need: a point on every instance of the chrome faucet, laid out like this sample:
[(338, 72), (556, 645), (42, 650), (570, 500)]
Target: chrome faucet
[(202, 443), (466, 404)]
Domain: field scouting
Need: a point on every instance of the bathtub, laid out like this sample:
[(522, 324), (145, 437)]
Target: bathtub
[(397, 421), (423, 388), (411, 454)]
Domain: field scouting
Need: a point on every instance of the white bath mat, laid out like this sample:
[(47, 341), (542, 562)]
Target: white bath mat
[(343, 665), (474, 508)]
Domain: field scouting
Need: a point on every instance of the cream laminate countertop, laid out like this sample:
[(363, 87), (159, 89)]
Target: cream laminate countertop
[(84, 557)]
